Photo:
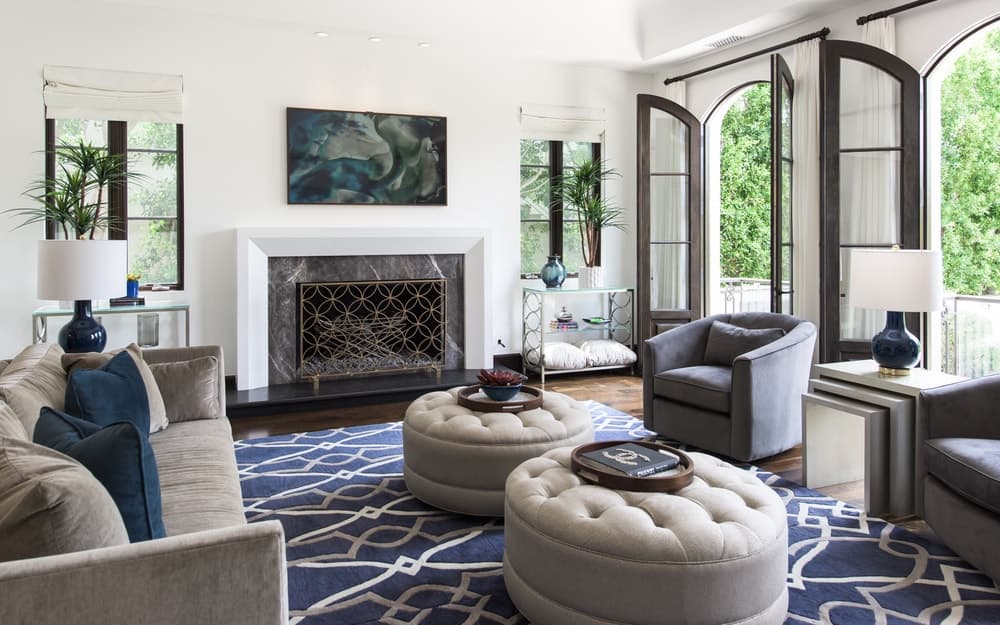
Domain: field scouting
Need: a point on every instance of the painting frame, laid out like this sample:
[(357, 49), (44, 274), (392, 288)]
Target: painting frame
[(362, 158)]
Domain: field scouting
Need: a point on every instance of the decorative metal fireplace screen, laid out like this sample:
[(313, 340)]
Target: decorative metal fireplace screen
[(347, 328)]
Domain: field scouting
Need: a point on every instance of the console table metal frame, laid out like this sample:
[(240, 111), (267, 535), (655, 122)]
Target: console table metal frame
[(618, 306), (40, 317)]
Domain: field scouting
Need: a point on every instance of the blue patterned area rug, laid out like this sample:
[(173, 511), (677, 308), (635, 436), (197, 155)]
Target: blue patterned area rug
[(362, 550)]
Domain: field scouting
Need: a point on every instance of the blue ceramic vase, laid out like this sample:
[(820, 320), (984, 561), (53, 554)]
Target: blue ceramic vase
[(131, 288), (553, 273)]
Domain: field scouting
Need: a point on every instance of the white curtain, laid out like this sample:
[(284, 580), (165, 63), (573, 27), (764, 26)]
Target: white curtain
[(676, 91), (668, 197), (84, 93), (869, 210), (804, 66)]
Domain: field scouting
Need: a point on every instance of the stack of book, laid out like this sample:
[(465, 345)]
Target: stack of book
[(563, 325)]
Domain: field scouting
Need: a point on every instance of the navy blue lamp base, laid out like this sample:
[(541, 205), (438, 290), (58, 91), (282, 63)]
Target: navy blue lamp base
[(894, 349), (83, 333)]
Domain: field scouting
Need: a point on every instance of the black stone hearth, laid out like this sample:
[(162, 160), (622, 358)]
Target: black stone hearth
[(342, 392)]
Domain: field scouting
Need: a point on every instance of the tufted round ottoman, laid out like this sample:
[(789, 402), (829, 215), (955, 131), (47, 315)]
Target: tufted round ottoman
[(458, 460), (714, 553)]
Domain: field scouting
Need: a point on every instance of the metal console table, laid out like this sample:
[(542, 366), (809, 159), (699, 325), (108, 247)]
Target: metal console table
[(617, 305), (40, 317)]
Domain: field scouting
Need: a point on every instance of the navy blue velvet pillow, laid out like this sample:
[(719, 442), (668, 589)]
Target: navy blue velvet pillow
[(120, 457), (113, 393)]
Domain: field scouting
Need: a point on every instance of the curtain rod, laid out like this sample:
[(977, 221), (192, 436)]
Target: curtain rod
[(819, 34), (864, 19)]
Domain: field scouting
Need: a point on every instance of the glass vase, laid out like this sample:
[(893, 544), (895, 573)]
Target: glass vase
[(553, 273)]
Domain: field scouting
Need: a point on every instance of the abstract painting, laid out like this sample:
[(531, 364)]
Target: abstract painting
[(351, 157)]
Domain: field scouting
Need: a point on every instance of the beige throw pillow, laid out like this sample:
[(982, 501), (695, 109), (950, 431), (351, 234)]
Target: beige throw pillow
[(50, 504), (190, 388), (34, 378), (10, 425), (93, 360)]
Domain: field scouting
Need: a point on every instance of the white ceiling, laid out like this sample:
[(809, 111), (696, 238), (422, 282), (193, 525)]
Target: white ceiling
[(624, 34)]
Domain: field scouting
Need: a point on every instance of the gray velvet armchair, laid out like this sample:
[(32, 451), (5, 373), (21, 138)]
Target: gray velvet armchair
[(701, 387), (958, 468)]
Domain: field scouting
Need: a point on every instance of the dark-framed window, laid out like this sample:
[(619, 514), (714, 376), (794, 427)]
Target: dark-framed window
[(545, 230), (149, 212)]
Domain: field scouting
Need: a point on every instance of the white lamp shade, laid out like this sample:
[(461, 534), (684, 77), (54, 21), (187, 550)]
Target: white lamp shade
[(896, 280), (81, 269)]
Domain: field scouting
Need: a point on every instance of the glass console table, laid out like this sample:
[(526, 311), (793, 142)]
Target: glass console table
[(539, 308), (40, 317)]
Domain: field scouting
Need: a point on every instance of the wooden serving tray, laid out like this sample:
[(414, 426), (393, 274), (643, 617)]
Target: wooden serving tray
[(665, 482), (528, 398)]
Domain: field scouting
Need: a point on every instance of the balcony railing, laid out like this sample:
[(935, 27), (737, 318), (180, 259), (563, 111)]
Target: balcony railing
[(746, 294), (970, 324), (970, 333)]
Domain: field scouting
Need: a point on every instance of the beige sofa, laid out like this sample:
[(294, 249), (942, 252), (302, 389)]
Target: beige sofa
[(211, 568)]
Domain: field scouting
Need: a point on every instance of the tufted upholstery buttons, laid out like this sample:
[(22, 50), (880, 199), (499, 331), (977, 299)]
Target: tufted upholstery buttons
[(713, 552), (458, 460)]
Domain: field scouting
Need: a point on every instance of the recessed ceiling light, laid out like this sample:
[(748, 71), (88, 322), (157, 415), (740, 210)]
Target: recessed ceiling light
[(424, 44), (320, 33), (375, 39)]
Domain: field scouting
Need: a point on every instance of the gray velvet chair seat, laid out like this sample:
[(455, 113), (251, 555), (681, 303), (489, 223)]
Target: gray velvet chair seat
[(969, 466), (702, 386), (958, 468), (733, 387)]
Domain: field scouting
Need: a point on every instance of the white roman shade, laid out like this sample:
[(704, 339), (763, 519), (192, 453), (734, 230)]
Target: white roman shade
[(562, 123), (83, 93)]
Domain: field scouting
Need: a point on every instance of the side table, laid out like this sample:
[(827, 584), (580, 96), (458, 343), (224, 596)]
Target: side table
[(40, 317), (857, 424)]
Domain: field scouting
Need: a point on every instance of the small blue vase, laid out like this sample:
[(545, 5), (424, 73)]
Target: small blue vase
[(553, 273), (131, 288)]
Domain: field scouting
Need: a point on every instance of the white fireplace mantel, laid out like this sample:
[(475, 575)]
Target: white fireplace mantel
[(254, 246)]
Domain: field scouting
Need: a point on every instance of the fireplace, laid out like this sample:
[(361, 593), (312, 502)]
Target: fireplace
[(257, 248), (370, 327)]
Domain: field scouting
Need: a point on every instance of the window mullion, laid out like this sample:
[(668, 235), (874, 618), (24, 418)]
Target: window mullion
[(556, 211), (117, 191)]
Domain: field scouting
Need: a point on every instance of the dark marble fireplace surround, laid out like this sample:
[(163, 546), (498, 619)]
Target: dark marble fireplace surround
[(285, 272)]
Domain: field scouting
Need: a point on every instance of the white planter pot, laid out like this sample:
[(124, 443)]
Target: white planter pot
[(591, 277)]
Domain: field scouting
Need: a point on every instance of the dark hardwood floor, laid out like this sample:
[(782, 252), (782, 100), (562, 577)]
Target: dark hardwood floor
[(621, 392)]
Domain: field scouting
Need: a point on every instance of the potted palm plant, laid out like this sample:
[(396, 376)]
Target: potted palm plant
[(75, 200), (81, 266), (579, 189)]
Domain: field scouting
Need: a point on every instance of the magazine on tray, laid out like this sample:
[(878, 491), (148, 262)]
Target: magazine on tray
[(634, 460)]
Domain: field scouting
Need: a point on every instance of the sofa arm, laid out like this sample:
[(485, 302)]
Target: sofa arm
[(165, 355), (767, 389), (233, 575), (965, 409)]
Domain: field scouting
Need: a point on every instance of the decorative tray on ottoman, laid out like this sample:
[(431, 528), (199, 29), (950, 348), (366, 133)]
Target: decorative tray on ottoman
[(630, 454), (528, 398)]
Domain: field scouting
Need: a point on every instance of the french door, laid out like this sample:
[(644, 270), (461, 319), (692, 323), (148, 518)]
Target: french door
[(671, 204), (669, 215), (782, 93), (870, 180)]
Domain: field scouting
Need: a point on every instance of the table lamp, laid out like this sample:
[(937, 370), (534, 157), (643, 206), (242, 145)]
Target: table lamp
[(896, 281), (81, 270)]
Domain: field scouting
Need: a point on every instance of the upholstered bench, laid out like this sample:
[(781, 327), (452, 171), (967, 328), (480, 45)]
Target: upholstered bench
[(715, 552), (458, 459)]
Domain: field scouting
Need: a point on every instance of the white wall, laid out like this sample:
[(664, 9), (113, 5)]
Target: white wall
[(238, 79), (920, 35)]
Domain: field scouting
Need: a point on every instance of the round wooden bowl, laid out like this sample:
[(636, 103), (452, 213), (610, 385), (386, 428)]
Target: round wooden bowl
[(528, 399)]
